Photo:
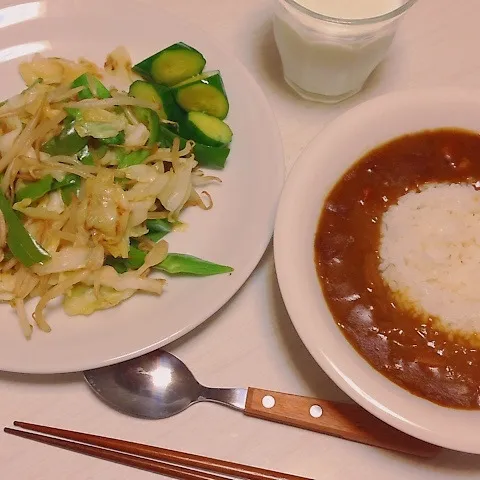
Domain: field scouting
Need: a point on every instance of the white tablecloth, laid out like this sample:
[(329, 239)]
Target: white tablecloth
[(252, 342)]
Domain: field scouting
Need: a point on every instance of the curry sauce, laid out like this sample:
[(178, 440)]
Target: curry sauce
[(406, 348)]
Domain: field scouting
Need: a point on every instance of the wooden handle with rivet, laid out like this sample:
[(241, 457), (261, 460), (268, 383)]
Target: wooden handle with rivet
[(345, 420)]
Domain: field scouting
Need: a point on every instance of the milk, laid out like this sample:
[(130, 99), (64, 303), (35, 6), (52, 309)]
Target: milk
[(329, 61), (351, 9)]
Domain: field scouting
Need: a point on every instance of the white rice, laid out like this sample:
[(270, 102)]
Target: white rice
[(430, 254)]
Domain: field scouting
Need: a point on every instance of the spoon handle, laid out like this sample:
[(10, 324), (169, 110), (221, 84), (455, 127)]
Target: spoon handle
[(345, 420)]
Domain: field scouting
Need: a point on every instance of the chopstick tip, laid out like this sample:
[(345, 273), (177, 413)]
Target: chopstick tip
[(24, 425)]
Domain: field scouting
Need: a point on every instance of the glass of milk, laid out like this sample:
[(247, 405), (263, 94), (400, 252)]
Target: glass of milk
[(329, 48)]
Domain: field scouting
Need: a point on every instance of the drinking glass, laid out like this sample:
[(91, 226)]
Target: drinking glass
[(327, 59)]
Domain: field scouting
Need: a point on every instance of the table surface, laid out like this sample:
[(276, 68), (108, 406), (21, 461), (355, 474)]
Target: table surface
[(252, 341)]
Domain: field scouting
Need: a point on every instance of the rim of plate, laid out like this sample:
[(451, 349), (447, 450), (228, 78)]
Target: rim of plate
[(294, 264), (255, 255)]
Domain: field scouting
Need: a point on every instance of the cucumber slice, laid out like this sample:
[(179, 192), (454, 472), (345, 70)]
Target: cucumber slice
[(212, 78), (144, 91), (207, 130), (172, 64), (203, 93), (157, 94), (207, 156)]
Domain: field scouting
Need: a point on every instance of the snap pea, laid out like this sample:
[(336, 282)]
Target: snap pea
[(136, 257), (135, 157), (85, 156), (151, 120), (87, 80), (118, 264), (183, 264), (99, 152), (69, 185), (21, 244), (68, 193), (89, 155), (68, 180), (118, 139), (68, 142), (135, 260), (158, 228), (174, 264), (76, 113), (35, 190)]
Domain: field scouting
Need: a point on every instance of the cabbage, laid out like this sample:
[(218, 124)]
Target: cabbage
[(7, 140), (139, 212), (107, 212), (84, 300), (96, 129), (55, 202), (138, 231), (12, 122), (136, 135), (179, 186), (154, 257), (141, 173), (28, 96), (108, 277), (7, 286), (109, 159), (50, 70), (99, 123), (106, 206), (53, 70), (151, 190), (119, 63), (71, 258)]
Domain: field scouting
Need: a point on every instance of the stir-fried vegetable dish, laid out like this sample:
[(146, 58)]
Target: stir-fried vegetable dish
[(93, 176)]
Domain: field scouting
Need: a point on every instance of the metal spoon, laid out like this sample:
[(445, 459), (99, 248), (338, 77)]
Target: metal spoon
[(158, 385)]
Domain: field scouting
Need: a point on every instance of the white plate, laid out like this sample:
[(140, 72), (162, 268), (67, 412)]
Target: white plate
[(340, 144), (235, 232)]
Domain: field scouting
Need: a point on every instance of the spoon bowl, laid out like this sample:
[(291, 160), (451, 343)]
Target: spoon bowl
[(156, 385)]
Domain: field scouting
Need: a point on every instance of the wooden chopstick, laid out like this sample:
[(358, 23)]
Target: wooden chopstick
[(146, 457), (117, 457)]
